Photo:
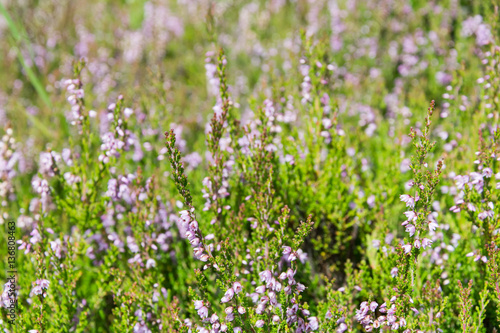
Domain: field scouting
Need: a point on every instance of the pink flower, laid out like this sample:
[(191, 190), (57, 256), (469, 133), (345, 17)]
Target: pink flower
[(228, 295), (237, 287), (411, 229), (44, 284), (37, 290), (150, 263), (426, 243), (487, 172), (259, 323), (313, 323), (198, 305), (266, 275), (203, 312), (432, 225), (417, 243), (408, 199), (407, 248), (198, 251), (410, 215), (484, 215), (461, 181)]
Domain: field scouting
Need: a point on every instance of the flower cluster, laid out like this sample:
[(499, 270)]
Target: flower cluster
[(366, 315), (114, 141), (8, 160), (39, 286), (76, 98), (277, 292), (193, 234)]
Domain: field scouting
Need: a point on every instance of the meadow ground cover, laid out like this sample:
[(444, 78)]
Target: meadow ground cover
[(249, 166)]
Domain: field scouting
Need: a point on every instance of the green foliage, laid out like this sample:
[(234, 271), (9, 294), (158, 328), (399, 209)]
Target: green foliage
[(235, 166)]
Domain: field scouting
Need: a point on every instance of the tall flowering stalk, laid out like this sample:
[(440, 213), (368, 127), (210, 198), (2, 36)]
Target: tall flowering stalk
[(217, 184), (188, 217), (418, 223)]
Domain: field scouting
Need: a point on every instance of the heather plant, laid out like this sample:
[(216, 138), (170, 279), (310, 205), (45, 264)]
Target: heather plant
[(255, 166)]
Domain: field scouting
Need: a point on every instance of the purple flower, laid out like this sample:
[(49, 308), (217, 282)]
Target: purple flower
[(483, 35), (407, 248)]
